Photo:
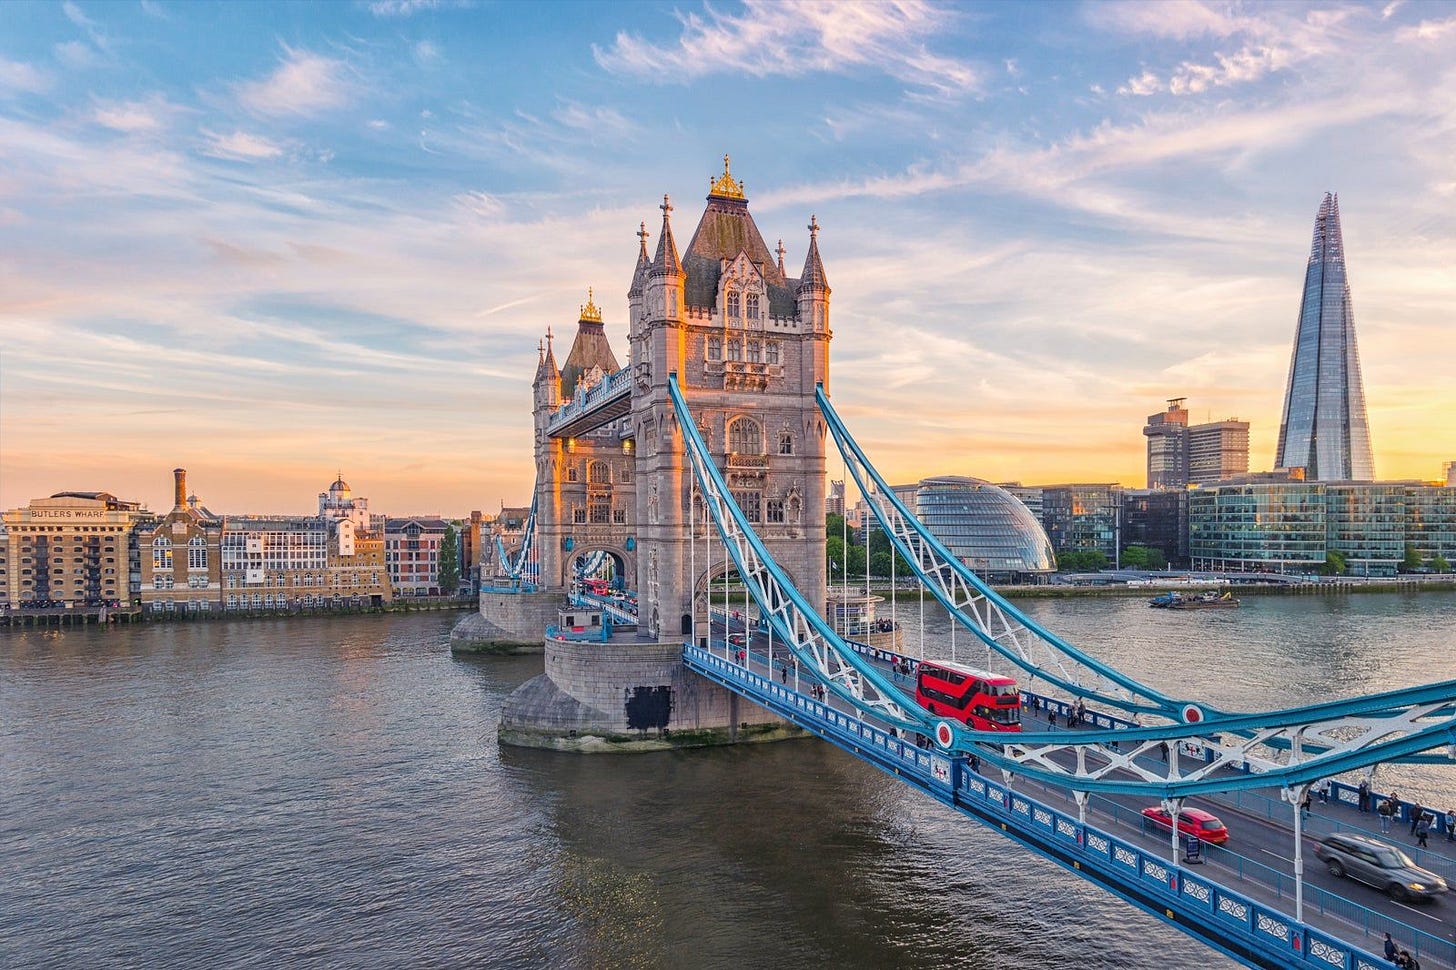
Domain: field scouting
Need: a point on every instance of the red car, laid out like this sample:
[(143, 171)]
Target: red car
[(1191, 821)]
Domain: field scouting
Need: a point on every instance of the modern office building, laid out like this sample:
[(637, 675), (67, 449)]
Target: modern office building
[(1430, 523), (1448, 472), (1181, 454), (1157, 518), (1365, 523), (985, 527), (1081, 518), (834, 499), (1029, 496), (68, 551), (1167, 434), (1258, 527), (1324, 429)]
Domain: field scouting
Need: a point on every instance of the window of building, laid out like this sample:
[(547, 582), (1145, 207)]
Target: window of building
[(600, 513), (619, 516), (786, 443), (754, 351), (578, 516), (750, 503), (776, 510), (571, 473), (197, 553), (599, 473), (735, 350), (734, 310), (753, 306), (771, 352), (715, 348), (745, 437), (161, 553)]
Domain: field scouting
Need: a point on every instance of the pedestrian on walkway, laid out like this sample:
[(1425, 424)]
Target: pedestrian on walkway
[(1364, 792), (1451, 825), (1304, 805), (1390, 950), (1423, 829), (1386, 812), (1417, 812), (783, 672), (1324, 790)]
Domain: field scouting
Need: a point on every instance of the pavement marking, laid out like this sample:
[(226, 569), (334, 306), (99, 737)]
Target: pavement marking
[(1419, 912), (1276, 855)]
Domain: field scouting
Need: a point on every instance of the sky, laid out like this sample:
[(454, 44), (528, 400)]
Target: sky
[(271, 242)]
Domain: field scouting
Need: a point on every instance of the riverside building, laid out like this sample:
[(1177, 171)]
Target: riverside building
[(985, 527), (181, 559), (66, 552), (1181, 454)]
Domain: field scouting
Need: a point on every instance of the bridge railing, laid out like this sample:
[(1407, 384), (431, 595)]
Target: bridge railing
[(610, 387), (1204, 898)]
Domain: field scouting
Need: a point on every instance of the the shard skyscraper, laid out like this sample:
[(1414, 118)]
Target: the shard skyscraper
[(1325, 430)]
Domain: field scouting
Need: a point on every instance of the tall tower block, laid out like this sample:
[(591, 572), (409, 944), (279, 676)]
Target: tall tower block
[(748, 343), (1324, 429)]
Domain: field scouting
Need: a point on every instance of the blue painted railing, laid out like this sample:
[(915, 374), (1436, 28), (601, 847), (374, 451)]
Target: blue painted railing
[(1231, 921), (611, 386)]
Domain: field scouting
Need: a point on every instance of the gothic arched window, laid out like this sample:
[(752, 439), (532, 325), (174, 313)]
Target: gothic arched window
[(755, 351), (735, 350), (733, 304), (771, 352), (753, 306), (745, 437), (786, 443), (715, 348), (571, 473), (598, 473)]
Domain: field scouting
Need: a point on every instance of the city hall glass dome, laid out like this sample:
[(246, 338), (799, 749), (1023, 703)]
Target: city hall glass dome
[(985, 527)]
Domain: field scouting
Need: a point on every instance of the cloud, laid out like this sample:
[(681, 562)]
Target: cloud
[(798, 38), (131, 116), (77, 54), (304, 84), (401, 8), (1172, 21), (75, 16), (426, 52), (1427, 30), (19, 76), (1143, 85), (239, 146)]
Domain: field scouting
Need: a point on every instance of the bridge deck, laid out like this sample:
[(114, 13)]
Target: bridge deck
[(1258, 861)]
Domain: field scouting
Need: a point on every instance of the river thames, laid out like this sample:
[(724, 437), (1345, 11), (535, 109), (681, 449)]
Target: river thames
[(330, 792)]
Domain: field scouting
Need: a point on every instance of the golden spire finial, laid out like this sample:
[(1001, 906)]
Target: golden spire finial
[(590, 311), (725, 186)]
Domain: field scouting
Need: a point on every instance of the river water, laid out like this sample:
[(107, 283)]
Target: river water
[(330, 792)]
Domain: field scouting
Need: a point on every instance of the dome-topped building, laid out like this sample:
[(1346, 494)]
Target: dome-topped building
[(985, 527), (339, 503)]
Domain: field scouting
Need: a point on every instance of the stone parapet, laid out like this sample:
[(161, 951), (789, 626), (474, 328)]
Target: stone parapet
[(629, 695), (507, 623)]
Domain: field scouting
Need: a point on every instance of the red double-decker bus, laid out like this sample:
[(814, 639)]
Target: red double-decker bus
[(982, 700)]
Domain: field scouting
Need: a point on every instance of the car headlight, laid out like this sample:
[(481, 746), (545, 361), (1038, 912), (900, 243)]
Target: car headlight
[(1418, 887)]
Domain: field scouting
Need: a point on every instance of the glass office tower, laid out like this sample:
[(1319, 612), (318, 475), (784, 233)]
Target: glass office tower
[(1324, 430)]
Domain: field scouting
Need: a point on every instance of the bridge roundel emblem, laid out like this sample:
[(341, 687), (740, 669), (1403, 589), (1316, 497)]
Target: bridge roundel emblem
[(1192, 714), (944, 734)]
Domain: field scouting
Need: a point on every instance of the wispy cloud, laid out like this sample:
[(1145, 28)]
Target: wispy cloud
[(133, 117), (17, 76), (403, 8), (304, 84), (798, 38), (239, 146)]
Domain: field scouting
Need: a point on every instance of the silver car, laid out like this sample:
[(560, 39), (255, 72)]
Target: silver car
[(1380, 865)]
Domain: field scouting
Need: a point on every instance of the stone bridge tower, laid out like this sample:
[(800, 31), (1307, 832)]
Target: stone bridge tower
[(585, 503), (748, 343)]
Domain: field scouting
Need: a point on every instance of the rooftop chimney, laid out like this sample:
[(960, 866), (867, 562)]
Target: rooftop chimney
[(179, 495)]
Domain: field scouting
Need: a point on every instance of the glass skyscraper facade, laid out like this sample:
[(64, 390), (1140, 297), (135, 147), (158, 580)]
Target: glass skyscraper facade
[(1324, 429), (985, 527)]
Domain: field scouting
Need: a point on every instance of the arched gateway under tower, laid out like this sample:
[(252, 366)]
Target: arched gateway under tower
[(747, 343)]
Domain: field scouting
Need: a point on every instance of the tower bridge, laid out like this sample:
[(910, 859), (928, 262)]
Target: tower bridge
[(704, 458)]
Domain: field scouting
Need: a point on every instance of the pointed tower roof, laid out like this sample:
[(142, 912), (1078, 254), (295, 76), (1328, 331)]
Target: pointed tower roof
[(667, 260), (813, 277), (546, 361), (1329, 242), (590, 349), (639, 275), (725, 230)]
